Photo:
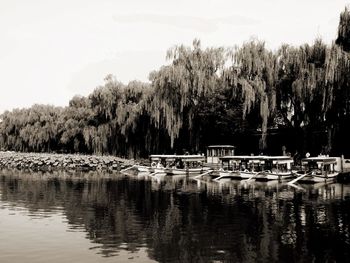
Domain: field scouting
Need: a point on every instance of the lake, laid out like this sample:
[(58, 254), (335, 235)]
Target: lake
[(103, 217)]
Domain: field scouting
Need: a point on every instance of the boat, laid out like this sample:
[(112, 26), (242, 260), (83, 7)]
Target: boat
[(276, 168), (144, 168), (215, 152), (175, 164), (240, 166), (317, 169), (261, 168), (252, 166)]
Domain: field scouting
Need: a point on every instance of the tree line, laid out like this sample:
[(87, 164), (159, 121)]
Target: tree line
[(297, 97)]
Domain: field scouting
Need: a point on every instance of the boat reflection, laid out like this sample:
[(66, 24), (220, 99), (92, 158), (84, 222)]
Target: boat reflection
[(177, 218)]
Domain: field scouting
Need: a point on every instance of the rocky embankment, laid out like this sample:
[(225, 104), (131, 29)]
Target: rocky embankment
[(47, 161)]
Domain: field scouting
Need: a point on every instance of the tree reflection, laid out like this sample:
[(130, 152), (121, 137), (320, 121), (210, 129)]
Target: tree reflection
[(188, 221)]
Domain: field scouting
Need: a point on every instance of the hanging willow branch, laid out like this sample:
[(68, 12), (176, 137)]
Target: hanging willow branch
[(179, 87), (343, 39), (253, 75), (198, 93)]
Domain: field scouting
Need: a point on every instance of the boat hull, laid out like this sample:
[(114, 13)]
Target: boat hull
[(319, 178), (236, 175), (246, 174), (269, 176), (142, 168), (229, 175), (176, 171)]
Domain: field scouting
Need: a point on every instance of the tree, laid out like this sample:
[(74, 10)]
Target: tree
[(180, 87), (252, 76)]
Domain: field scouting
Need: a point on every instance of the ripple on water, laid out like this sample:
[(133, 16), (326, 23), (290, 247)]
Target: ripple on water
[(85, 218)]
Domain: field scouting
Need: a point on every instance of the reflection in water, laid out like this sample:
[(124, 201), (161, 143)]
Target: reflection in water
[(179, 219)]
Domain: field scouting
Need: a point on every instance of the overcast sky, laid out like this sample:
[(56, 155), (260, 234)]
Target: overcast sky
[(53, 50)]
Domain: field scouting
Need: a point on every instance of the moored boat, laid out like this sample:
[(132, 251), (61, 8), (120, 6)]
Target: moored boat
[(240, 166), (216, 152), (317, 169), (261, 168), (144, 168), (175, 164), (276, 168)]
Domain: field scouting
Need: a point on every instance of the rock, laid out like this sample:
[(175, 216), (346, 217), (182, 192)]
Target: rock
[(45, 161)]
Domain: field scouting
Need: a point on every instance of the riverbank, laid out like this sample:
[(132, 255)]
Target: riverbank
[(52, 161)]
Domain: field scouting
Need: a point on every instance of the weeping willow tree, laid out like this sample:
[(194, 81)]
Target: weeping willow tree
[(134, 120), (33, 129), (252, 76), (337, 77), (118, 121), (343, 39), (116, 109), (72, 122), (182, 86), (313, 89), (101, 132), (130, 107), (204, 96), (301, 90)]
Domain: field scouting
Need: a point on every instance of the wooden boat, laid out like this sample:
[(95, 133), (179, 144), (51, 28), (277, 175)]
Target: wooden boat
[(240, 166), (261, 168), (175, 164), (317, 169), (215, 152), (144, 168), (276, 168)]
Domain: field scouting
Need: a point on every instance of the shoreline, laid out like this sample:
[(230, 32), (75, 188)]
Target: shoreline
[(55, 161)]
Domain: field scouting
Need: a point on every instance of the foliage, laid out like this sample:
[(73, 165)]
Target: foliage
[(252, 76), (205, 96)]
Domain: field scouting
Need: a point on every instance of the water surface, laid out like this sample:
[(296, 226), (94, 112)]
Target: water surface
[(101, 217)]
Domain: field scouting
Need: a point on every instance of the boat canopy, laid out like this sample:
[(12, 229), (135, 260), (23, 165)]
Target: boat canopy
[(257, 159), (279, 159), (221, 146), (220, 150), (216, 151), (240, 158), (320, 159), (184, 158)]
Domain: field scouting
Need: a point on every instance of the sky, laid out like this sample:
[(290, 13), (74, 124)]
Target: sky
[(53, 50)]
